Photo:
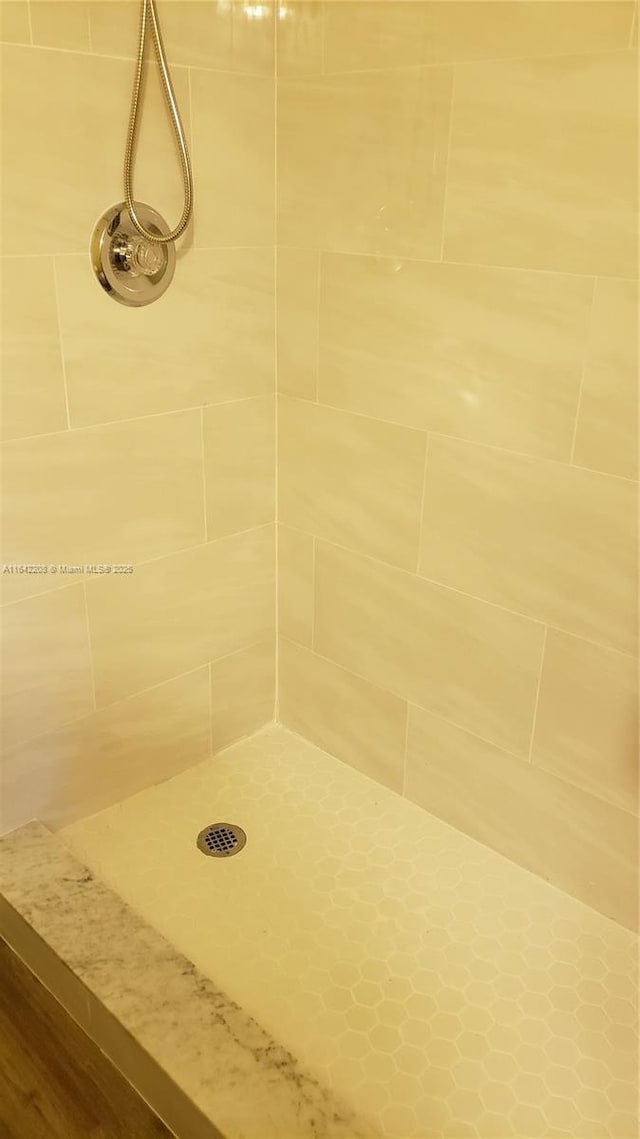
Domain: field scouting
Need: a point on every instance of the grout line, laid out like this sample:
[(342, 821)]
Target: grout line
[(210, 675), (322, 39), (403, 790), (91, 661), (134, 418), (452, 589), (398, 68), (376, 256), (538, 687), (319, 288), (520, 759), (196, 248), (585, 358), (191, 154), (204, 477), (31, 43), (528, 456), (422, 498), (77, 578), (313, 592), (410, 703), (62, 356), (445, 185), (634, 20), (82, 253), (104, 707), (478, 62), (89, 33), (276, 400), (92, 54)]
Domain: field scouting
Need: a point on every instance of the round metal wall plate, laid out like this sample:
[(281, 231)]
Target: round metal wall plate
[(131, 269), (221, 840)]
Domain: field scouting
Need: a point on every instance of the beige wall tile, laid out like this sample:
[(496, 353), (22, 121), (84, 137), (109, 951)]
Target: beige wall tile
[(378, 35), (83, 162), (46, 664), (33, 393), (542, 164), (468, 661), (14, 22), (351, 480), (607, 432), (297, 295), (239, 459), (242, 693), (493, 355), (115, 494), (108, 755), (398, 34), (233, 158), (553, 541), (201, 33), (176, 613), (299, 35), (61, 24), (209, 338), (580, 843), (494, 30), (357, 722), (587, 721), (362, 159), (295, 585)]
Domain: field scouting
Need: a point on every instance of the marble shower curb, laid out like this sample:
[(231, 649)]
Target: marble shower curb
[(203, 1064)]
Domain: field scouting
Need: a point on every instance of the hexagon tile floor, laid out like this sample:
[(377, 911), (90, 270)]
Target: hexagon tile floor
[(438, 987)]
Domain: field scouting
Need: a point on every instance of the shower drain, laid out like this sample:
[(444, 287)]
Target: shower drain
[(221, 840)]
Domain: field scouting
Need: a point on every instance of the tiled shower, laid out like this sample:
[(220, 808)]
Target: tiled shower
[(369, 469)]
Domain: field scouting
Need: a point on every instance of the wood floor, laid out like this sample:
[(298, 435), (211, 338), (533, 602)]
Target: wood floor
[(55, 1083)]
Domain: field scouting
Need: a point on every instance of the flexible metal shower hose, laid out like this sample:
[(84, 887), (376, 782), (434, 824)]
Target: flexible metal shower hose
[(148, 12)]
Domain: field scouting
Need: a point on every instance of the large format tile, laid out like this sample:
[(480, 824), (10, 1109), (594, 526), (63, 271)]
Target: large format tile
[(587, 721), (108, 755), (580, 843), (397, 34), (359, 37), (295, 584), (179, 612), (352, 719), (493, 355), (298, 300), (83, 163), (607, 432), (209, 338), (14, 22), (61, 24), (33, 392), (362, 161), (299, 31), (352, 480), (197, 33), (542, 167), (46, 664), (550, 540), (239, 461), (468, 661), (103, 495), (233, 120), (242, 693)]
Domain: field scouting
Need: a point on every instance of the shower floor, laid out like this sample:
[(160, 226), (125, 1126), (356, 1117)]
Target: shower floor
[(438, 988)]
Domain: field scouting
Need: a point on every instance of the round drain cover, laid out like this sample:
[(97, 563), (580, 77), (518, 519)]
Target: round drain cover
[(221, 840)]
